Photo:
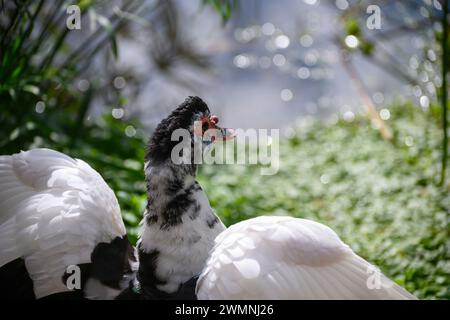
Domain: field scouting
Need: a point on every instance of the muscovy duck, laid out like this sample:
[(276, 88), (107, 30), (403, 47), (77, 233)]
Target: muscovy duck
[(55, 213), (179, 225), (261, 258)]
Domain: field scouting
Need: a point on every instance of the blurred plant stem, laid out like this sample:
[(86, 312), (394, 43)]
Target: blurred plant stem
[(365, 97), (444, 99)]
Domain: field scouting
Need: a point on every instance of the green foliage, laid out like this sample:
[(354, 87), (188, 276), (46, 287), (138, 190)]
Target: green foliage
[(352, 26), (436, 24), (366, 47), (38, 64), (444, 90), (380, 198)]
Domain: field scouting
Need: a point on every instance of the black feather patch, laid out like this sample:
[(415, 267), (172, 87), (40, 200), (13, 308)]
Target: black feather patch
[(15, 282), (151, 218), (212, 221), (110, 261), (175, 209), (148, 282), (147, 268), (197, 186), (187, 290)]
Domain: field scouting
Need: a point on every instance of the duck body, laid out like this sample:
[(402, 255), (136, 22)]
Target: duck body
[(260, 258), (179, 225)]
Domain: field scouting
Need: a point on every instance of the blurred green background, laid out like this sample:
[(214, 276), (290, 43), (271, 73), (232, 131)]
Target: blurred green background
[(376, 176)]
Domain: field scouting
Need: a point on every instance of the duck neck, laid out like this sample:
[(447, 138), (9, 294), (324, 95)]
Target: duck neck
[(169, 193), (178, 228)]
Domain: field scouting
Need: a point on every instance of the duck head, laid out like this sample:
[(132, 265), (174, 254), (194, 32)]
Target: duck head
[(192, 122)]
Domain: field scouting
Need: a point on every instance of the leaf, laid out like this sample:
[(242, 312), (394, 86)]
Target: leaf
[(352, 27), (12, 93), (85, 4), (106, 24), (114, 47), (366, 47), (31, 89)]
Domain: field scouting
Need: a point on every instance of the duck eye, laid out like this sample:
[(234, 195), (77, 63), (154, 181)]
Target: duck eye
[(214, 119)]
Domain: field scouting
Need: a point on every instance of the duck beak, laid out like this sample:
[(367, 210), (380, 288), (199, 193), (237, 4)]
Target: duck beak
[(227, 134), (215, 133), (223, 134)]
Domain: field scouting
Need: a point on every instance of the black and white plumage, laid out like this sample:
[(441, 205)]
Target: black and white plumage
[(55, 212), (261, 258), (179, 225)]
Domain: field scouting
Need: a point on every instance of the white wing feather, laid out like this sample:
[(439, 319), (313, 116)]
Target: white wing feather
[(288, 258), (53, 211)]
